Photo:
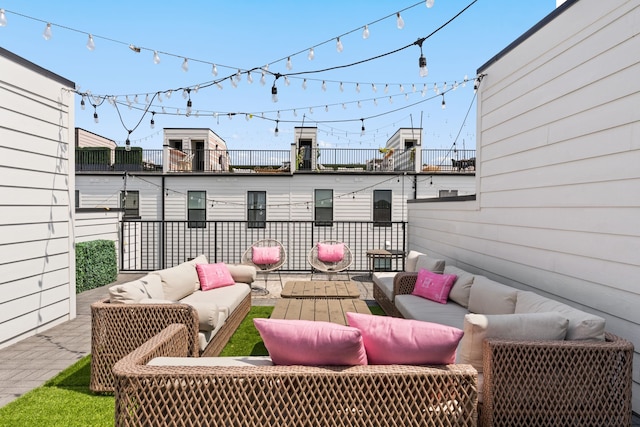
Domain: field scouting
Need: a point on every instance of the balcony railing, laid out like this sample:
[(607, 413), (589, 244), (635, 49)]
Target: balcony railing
[(304, 159), (153, 245)]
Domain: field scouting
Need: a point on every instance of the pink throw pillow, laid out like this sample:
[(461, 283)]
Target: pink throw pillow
[(265, 254), (396, 341), (310, 343), (330, 252), (434, 286), (214, 276)]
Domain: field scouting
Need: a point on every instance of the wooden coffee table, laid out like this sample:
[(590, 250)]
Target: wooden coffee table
[(318, 309), (320, 289)]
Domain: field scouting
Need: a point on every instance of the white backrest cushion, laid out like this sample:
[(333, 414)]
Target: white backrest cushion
[(526, 327), (179, 281), (432, 264), (490, 297), (461, 287), (410, 262), (200, 259), (149, 286), (582, 325)]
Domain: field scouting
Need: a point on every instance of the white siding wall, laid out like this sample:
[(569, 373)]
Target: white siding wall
[(558, 205), (37, 260)]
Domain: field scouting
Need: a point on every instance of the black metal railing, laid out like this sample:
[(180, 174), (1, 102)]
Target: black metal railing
[(153, 245), (265, 161)]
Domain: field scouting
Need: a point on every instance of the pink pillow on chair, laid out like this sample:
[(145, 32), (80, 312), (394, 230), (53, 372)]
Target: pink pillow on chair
[(311, 343), (330, 252), (391, 340), (434, 286), (214, 276), (265, 254)]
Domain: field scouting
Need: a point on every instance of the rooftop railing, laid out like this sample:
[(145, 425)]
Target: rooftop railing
[(304, 159)]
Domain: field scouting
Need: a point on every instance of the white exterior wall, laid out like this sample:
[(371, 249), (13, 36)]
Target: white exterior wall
[(85, 138), (558, 203), (37, 259)]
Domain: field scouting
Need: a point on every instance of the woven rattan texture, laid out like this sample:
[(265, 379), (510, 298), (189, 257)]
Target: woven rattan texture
[(329, 267), (404, 283), (557, 383), (118, 329), (384, 302), (374, 395)]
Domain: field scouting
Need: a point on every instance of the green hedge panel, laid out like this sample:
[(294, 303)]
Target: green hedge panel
[(96, 264)]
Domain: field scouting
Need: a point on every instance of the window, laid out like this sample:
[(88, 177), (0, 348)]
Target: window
[(196, 209), (447, 193), (257, 209), (130, 202), (410, 143), (324, 208), (382, 208)]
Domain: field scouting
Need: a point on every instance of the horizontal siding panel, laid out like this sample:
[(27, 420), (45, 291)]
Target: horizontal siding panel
[(35, 263), (32, 303), (42, 144), (15, 252), (46, 179), (38, 281), (33, 232), (25, 196), (19, 215), (31, 322)]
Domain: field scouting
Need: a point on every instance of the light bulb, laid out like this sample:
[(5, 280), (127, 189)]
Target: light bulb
[(375, 101), (386, 88), (311, 110), (249, 77), (324, 86), (135, 48), (275, 131), (219, 85), (390, 100), (429, 3), (358, 87), (464, 82), (156, 57), (127, 145), (365, 32), (444, 87), (135, 99), (436, 89), (146, 99), (185, 65), (413, 87), (344, 106), (326, 108), (47, 32), (185, 95), (359, 104), (424, 90), (311, 55), (82, 103), (189, 104), (95, 117), (399, 21), (444, 105), (263, 78), (214, 70), (341, 87), (339, 46), (304, 84), (3, 18), (422, 62), (289, 64), (153, 122), (295, 113), (373, 87), (234, 83), (238, 76), (169, 93), (286, 81), (274, 93), (90, 44)]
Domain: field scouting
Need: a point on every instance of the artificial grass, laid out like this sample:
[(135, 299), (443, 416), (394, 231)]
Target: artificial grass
[(66, 400)]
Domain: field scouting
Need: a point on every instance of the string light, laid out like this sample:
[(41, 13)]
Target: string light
[(365, 32), (444, 105), (339, 46), (82, 105), (304, 84), (127, 143), (276, 131), (214, 70), (95, 114), (358, 87), (399, 21), (156, 57), (189, 103), (274, 93), (47, 32), (429, 3), (185, 65), (90, 43), (134, 48), (311, 54), (362, 130), (289, 64), (374, 88), (152, 123), (3, 18), (324, 86)]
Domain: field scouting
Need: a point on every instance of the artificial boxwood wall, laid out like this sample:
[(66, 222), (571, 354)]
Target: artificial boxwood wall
[(96, 264)]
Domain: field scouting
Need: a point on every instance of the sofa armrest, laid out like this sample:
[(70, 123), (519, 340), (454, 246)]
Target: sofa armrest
[(118, 329), (564, 383), (403, 283)]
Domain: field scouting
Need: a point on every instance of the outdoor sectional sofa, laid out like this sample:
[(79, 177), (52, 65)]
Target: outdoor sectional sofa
[(138, 310), (540, 362), (156, 385)]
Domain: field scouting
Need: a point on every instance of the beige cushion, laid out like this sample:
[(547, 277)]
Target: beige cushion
[(156, 301), (149, 286), (527, 327), (242, 273), (490, 297), (461, 287), (206, 307), (179, 281), (582, 325), (431, 264), (226, 298), (212, 361), (410, 262), (200, 259)]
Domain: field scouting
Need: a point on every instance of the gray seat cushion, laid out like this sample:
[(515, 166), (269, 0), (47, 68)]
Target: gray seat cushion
[(418, 308)]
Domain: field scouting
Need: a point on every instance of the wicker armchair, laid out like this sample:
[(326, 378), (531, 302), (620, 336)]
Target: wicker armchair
[(248, 396), (328, 267), (265, 268)]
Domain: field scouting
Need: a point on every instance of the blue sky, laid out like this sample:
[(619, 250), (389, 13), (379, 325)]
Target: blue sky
[(247, 35)]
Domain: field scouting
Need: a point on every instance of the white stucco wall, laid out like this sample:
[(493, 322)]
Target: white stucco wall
[(558, 205), (37, 259)]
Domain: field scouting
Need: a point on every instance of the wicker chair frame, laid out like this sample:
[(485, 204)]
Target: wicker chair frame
[(118, 329), (330, 268), (371, 395), (247, 258), (551, 383)]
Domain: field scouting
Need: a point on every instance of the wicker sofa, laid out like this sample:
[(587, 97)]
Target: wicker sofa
[(157, 386), (138, 310), (525, 378)]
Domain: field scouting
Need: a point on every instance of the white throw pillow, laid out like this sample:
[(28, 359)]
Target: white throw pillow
[(179, 281), (526, 327), (149, 286), (410, 262)]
